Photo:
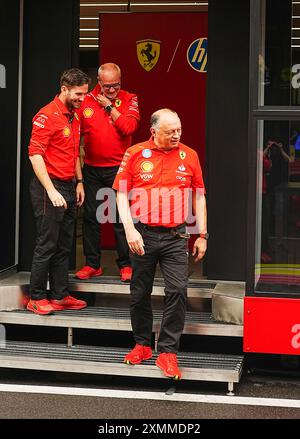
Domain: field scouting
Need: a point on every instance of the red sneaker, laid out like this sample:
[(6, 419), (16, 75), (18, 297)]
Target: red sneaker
[(42, 306), (68, 302), (138, 354), (125, 274), (167, 362), (24, 300), (86, 272)]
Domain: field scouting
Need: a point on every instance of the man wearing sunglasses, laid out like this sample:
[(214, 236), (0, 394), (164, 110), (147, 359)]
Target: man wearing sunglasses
[(109, 116)]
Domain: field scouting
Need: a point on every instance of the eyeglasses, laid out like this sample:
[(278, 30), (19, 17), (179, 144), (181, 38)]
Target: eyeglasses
[(109, 86)]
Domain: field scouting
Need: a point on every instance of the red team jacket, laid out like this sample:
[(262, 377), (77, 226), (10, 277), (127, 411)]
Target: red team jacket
[(55, 136), (106, 141), (158, 181)]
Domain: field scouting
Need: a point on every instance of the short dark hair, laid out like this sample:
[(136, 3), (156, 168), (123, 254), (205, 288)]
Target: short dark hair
[(74, 78)]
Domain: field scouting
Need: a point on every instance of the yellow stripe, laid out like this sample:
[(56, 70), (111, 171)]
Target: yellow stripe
[(277, 265), (281, 271), (278, 271)]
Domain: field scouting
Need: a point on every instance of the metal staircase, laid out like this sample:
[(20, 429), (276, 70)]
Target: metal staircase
[(109, 361)]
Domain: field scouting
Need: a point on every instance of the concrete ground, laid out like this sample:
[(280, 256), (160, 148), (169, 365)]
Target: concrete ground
[(116, 403)]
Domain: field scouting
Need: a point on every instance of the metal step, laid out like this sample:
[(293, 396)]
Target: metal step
[(118, 319), (112, 284), (109, 361), (197, 288)]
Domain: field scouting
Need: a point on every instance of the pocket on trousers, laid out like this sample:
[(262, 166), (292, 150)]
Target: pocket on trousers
[(59, 213), (38, 198)]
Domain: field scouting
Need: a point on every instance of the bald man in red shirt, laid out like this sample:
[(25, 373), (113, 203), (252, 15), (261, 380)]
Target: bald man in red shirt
[(109, 116), (54, 155), (159, 176)]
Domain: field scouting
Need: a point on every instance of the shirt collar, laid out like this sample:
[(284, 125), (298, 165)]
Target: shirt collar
[(96, 91), (62, 108), (153, 146)]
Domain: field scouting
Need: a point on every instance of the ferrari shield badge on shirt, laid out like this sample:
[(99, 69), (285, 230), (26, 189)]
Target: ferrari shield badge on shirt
[(148, 52), (182, 154)]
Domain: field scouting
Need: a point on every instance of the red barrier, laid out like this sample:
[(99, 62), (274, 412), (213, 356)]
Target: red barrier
[(272, 325)]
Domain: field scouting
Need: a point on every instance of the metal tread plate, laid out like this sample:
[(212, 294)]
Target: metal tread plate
[(113, 285), (198, 288), (200, 323), (159, 282), (109, 361)]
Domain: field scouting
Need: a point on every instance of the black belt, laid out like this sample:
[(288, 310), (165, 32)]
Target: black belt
[(175, 231), (161, 229), (66, 183), (63, 182)]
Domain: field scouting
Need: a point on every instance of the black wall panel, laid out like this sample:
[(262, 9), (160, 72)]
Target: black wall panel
[(51, 45), (227, 138), (9, 65)]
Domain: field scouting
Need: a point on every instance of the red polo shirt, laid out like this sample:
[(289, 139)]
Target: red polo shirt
[(160, 182), (106, 141), (55, 136)]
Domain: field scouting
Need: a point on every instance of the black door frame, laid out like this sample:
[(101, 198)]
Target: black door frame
[(11, 115), (258, 113)]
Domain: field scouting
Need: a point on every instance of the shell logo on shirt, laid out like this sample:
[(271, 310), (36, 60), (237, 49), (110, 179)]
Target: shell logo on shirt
[(88, 112), (147, 166), (66, 131)]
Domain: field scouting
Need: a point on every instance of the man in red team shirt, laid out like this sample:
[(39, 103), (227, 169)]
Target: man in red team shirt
[(159, 175), (109, 116), (54, 155)]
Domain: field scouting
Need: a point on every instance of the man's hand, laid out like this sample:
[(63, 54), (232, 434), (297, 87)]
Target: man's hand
[(103, 100), (56, 198), (199, 249), (79, 194), (135, 242)]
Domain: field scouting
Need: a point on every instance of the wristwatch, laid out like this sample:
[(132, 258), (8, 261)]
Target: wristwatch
[(108, 108), (80, 180), (204, 235)]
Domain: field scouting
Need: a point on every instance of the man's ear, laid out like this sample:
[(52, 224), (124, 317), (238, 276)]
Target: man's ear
[(64, 89), (152, 131)]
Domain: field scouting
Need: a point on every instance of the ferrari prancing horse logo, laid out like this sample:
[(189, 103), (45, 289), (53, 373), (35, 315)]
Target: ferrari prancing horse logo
[(148, 52)]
